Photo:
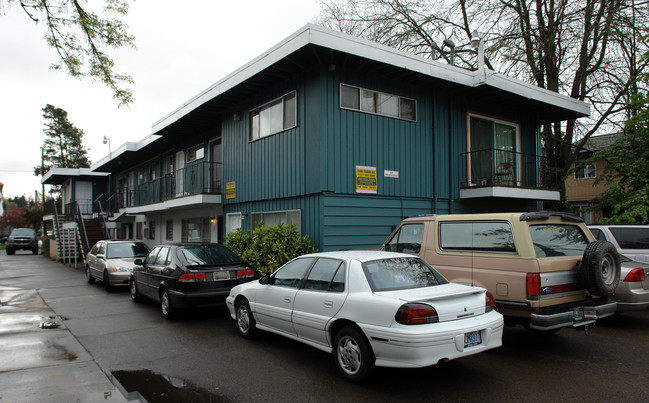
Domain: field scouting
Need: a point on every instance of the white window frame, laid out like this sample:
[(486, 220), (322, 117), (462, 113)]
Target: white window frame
[(377, 94), (233, 221), (587, 172), (254, 130)]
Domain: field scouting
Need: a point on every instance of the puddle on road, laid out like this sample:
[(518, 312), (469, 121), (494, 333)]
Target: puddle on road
[(160, 388)]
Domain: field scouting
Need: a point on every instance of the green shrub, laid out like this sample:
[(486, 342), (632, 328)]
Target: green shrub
[(268, 247)]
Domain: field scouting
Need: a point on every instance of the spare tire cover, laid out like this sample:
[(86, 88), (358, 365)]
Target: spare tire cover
[(600, 268)]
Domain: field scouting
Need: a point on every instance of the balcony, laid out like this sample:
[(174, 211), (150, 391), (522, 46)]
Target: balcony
[(196, 184), (503, 173)]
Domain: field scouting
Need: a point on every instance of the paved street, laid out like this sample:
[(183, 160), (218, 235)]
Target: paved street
[(205, 358)]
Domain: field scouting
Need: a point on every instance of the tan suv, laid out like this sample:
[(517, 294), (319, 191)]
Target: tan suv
[(545, 269)]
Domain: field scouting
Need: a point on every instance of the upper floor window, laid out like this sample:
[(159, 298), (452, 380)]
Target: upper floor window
[(273, 117), (195, 153), (588, 171), (378, 103)]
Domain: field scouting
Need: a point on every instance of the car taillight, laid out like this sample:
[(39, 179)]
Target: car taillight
[(533, 285), (192, 277), (245, 273), (490, 303), (635, 275), (416, 314)]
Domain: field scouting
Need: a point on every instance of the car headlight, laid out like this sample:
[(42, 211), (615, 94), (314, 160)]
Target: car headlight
[(119, 269)]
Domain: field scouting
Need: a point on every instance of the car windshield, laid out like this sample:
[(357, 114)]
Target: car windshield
[(22, 232), (209, 255), (119, 250), (558, 240), (400, 273)]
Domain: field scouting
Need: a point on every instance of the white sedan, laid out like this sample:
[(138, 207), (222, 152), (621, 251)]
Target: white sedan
[(369, 309)]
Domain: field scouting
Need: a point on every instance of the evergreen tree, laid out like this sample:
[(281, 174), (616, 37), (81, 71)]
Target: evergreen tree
[(63, 145)]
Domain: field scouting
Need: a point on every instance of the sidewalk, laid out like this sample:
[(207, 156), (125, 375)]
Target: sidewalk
[(41, 361)]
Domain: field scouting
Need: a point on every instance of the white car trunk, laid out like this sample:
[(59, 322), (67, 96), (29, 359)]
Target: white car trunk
[(451, 301)]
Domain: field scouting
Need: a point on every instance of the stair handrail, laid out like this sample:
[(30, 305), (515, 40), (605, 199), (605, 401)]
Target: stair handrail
[(100, 212), (83, 236)]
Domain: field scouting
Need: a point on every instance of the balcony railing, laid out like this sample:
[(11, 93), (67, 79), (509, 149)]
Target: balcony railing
[(495, 167), (197, 178)]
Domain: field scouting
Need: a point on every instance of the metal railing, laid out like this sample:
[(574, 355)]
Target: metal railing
[(495, 167), (203, 177)]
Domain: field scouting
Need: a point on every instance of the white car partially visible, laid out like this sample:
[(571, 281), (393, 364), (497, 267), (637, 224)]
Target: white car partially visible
[(369, 308)]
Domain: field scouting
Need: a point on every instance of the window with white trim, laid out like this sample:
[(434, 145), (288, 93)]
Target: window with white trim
[(586, 172), (378, 103), (270, 218), (273, 117)]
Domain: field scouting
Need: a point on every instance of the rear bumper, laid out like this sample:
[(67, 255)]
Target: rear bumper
[(572, 316), (181, 299)]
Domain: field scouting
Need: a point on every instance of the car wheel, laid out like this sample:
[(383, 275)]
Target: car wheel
[(600, 268), (35, 251), (135, 294), (246, 324), (168, 311), (89, 277), (353, 355), (106, 281), (10, 251)]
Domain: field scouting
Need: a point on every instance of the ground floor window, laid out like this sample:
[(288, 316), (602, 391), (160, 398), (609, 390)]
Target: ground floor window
[(196, 230), (287, 217)]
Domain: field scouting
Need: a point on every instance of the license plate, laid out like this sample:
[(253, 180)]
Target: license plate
[(221, 275), (472, 339), (577, 314)]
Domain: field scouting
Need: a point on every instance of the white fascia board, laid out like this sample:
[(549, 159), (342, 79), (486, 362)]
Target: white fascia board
[(181, 202), (129, 146), (509, 192), (531, 91), (71, 172)]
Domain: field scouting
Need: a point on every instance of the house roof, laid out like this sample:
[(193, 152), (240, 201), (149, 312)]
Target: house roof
[(596, 143), (58, 176), (314, 44)]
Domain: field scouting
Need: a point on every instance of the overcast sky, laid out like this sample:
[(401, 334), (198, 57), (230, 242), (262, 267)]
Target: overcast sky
[(182, 48)]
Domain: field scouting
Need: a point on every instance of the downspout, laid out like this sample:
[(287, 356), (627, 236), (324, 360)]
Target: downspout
[(435, 180), (450, 159)]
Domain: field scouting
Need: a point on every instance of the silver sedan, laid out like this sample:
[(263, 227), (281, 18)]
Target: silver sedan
[(632, 293), (112, 261)]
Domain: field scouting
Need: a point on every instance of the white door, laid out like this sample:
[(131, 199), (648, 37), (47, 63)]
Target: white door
[(233, 222), (83, 195)]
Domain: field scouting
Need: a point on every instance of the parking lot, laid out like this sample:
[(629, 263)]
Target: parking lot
[(203, 354)]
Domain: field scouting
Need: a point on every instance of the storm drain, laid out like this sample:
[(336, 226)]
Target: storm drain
[(160, 388)]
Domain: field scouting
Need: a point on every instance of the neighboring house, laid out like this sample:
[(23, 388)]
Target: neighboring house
[(581, 191), (340, 136)]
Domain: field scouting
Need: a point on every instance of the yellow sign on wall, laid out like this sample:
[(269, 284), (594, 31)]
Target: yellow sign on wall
[(366, 181), (231, 190)]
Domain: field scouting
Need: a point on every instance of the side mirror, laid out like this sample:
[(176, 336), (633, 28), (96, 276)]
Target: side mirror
[(138, 262), (265, 280), (101, 256)]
